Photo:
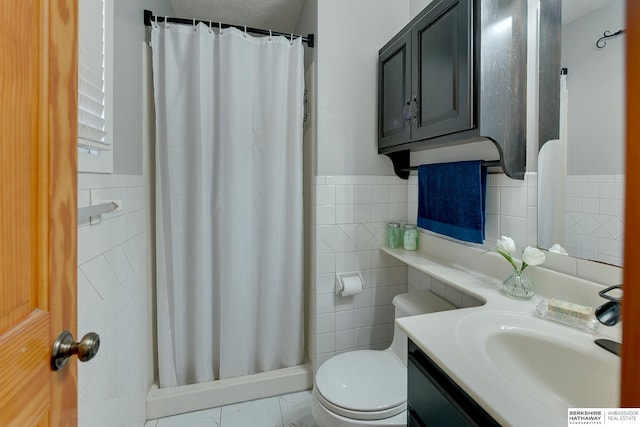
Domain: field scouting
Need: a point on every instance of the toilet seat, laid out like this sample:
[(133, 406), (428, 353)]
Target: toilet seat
[(363, 385)]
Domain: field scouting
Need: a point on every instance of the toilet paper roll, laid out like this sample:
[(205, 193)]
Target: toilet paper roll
[(351, 285)]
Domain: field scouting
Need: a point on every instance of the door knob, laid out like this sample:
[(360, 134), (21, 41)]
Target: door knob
[(64, 347)]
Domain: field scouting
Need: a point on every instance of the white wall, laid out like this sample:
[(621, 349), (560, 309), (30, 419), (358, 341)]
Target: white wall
[(129, 34), (308, 24), (114, 279), (596, 92), (349, 37), (416, 6)]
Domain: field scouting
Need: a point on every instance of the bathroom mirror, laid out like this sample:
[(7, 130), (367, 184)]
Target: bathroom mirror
[(580, 205)]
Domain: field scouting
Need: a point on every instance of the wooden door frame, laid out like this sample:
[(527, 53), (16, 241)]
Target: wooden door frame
[(630, 380)]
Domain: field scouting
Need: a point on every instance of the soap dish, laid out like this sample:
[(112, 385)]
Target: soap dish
[(542, 310)]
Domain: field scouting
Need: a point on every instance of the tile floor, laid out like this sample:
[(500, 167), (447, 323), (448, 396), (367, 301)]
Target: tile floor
[(288, 410)]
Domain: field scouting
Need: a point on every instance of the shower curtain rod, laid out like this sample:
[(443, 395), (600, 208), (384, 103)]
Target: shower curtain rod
[(149, 18)]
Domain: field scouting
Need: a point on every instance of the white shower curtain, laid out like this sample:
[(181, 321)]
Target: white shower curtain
[(552, 179), (228, 203)]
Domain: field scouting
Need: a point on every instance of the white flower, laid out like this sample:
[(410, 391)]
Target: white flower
[(557, 249), (506, 245), (532, 256)]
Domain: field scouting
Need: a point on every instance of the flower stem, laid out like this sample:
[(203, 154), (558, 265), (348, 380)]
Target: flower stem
[(508, 258)]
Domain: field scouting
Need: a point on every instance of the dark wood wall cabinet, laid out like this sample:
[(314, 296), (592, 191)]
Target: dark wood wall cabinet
[(456, 74), (434, 399)]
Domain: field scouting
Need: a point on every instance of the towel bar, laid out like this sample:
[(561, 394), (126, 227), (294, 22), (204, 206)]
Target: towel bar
[(491, 163), (85, 214)]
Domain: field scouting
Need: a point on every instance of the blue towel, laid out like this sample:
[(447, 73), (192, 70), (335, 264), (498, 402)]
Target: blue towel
[(451, 199)]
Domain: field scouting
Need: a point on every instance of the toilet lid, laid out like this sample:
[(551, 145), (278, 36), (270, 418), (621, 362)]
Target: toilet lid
[(364, 381)]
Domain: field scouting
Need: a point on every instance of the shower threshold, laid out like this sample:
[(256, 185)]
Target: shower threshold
[(164, 402)]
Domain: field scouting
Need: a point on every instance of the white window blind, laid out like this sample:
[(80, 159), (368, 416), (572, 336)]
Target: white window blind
[(94, 141)]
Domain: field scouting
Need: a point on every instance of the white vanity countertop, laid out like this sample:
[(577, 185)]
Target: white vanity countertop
[(447, 337)]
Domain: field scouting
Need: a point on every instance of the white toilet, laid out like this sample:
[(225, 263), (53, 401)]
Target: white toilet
[(369, 387)]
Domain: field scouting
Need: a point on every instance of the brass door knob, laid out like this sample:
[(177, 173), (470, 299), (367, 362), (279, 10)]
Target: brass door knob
[(64, 347)]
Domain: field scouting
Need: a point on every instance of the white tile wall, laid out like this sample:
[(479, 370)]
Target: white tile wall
[(594, 221), (113, 301), (351, 216), (351, 212), (419, 281)]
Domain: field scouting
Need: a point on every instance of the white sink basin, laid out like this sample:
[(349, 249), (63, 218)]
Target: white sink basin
[(555, 366)]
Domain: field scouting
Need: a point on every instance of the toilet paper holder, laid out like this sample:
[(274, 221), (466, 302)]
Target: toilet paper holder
[(349, 283)]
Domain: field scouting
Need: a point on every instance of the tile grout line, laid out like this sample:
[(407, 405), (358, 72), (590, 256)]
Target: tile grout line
[(281, 414)]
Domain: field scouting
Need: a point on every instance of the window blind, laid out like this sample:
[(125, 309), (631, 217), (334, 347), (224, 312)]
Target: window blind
[(92, 133)]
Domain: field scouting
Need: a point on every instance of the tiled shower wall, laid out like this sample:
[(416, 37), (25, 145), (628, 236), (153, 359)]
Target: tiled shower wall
[(113, 301), (350, 218), (594, 223)]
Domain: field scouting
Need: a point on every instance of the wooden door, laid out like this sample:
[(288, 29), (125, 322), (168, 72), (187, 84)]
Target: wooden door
[(630, 393), (38, 127)]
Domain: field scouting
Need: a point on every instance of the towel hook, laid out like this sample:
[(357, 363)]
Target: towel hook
[(602, 41)]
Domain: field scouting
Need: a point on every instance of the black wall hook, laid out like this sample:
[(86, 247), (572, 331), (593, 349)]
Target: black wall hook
[(602, 42)]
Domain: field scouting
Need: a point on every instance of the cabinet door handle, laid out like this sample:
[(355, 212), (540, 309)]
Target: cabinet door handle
[(414, 109), (406, 112)]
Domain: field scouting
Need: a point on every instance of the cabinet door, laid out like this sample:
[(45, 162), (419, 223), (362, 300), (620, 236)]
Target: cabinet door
[(394, 90), (442, 74), (434, 399)]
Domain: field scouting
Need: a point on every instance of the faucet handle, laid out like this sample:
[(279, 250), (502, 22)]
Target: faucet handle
[(603, 293), (610, 346)]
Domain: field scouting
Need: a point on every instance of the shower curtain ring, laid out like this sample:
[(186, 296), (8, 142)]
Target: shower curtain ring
[(166, 22), (194, 25), (245, 31), (155, 21), (291, 40), (270, 34), (220, 28), (210, 31)]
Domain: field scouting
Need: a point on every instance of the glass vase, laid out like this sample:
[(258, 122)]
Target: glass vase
[(519, 285)]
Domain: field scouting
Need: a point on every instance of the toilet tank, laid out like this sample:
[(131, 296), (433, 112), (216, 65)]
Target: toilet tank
[(421, 302), (411, 304)]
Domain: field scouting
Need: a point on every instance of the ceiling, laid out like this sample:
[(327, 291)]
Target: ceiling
[(574, 9), (276, 15), (282, 15)]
